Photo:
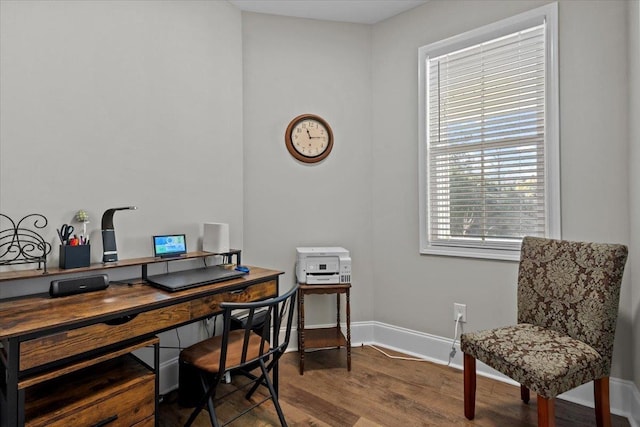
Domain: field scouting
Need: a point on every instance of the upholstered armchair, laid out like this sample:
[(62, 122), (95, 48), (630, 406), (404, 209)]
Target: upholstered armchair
[(568, 296)]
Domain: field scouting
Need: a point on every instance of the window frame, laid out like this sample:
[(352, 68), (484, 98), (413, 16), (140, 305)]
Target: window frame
[(549, 15)]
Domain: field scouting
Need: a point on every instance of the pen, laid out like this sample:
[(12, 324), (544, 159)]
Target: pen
[(60, 236)]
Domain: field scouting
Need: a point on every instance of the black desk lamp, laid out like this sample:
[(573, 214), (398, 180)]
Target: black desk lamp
[(109, 251)]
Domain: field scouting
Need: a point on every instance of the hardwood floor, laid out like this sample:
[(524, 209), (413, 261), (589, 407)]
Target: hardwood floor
[(380, 391)]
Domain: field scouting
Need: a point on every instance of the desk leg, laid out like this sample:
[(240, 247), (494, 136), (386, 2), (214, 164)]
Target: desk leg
[(13, 399), (156, 368), (301, 330), (348, 332), (338, 318)]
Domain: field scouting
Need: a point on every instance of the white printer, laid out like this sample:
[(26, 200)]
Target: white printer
[(323, 265)]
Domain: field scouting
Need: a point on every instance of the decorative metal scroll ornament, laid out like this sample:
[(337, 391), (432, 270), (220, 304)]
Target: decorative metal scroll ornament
[(21, 244)]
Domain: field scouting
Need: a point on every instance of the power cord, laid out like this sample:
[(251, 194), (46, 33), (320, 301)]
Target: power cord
[(413, 359), (452, 353), (453, 342), (178, 336), (170, 347), (210, 321)]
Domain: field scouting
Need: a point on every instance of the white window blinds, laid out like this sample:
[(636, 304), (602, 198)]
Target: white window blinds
[(486, 141)]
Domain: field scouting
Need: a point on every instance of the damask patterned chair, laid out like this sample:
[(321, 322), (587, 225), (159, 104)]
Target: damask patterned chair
[(568, 296)]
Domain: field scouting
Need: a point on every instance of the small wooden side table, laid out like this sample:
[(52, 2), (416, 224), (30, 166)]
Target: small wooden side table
[(323, 337)]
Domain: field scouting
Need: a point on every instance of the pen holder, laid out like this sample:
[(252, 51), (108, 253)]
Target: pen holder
[(75, 256)]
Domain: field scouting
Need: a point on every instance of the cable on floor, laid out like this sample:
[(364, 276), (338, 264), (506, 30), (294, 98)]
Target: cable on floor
[(412, 359)]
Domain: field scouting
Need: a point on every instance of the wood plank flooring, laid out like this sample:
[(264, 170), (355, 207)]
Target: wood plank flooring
[(380, 391)]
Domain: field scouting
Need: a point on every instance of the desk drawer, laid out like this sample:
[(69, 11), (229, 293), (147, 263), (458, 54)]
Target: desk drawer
[(116, 393), (50, 348), (209, 305)]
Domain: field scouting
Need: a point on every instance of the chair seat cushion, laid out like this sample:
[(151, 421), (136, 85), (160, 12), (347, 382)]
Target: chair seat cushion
[(205, 355), (545, 361)]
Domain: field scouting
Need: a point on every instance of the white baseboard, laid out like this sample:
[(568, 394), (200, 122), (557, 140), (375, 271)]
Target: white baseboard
[(168, 376), (623, 395), (634, 413)]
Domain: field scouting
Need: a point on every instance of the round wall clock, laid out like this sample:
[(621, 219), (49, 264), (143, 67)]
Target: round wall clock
[(309, 138)]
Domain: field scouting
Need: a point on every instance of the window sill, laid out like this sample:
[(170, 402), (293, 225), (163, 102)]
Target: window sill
[(494, 254)]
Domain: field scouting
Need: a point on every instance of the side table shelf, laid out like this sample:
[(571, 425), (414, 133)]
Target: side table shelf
[(313, 338)]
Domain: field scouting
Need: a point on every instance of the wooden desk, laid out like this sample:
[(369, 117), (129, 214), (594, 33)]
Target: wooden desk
[(45, 338), (323, 337)]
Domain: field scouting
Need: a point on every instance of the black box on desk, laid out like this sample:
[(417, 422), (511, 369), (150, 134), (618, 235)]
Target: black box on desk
[(75, 256)]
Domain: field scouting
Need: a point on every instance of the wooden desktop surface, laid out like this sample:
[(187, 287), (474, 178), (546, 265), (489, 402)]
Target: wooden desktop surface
[(39, 313)]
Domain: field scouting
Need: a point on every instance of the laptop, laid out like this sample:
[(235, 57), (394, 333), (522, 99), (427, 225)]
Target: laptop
[(186, 279)]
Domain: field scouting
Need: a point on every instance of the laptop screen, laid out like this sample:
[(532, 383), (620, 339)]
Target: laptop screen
[(169, 245)]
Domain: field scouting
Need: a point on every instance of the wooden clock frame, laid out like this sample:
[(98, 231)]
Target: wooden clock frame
[(289, 141)]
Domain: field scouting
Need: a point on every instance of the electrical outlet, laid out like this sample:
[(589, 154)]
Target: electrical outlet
[(460, 309)]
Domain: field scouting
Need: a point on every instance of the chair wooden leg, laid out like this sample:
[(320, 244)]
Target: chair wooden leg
[(601, 395), (469, 386), (546, 412), (524, 394)]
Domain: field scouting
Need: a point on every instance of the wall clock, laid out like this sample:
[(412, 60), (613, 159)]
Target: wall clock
[(309, 138)]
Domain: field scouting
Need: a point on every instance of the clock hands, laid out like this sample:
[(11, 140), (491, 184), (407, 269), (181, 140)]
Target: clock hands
[(313, 137)]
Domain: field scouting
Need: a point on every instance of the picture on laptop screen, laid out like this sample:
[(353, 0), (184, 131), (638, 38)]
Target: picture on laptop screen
[(169, 245)]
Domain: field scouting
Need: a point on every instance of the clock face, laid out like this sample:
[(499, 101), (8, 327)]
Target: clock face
[(309, 138)]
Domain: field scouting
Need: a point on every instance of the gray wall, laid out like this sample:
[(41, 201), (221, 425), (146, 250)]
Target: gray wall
[(108, 104), (634, 176), (294, 66), (112, 103), (291, 67), (594, 166)]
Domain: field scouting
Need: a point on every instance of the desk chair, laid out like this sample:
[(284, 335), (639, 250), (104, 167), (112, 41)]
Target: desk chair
[(568, 296), (242, 350)]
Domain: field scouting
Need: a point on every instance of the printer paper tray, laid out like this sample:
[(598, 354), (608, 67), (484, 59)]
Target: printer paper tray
[(325, 279)]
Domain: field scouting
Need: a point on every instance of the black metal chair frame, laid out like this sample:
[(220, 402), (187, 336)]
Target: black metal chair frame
[(279, 313)]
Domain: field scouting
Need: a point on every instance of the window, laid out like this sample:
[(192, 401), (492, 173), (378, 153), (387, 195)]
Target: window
[(489, 155)]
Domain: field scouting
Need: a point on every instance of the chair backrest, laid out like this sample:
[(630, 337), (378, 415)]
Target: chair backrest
[(262, 328), (573, 288)]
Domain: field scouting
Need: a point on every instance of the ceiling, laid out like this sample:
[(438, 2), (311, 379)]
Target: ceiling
[(357, 11)]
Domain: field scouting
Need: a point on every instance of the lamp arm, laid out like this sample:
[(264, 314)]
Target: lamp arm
[(107, 216)]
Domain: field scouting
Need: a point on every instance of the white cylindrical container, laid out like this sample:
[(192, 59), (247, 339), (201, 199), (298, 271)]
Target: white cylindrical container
[(216, 237)]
